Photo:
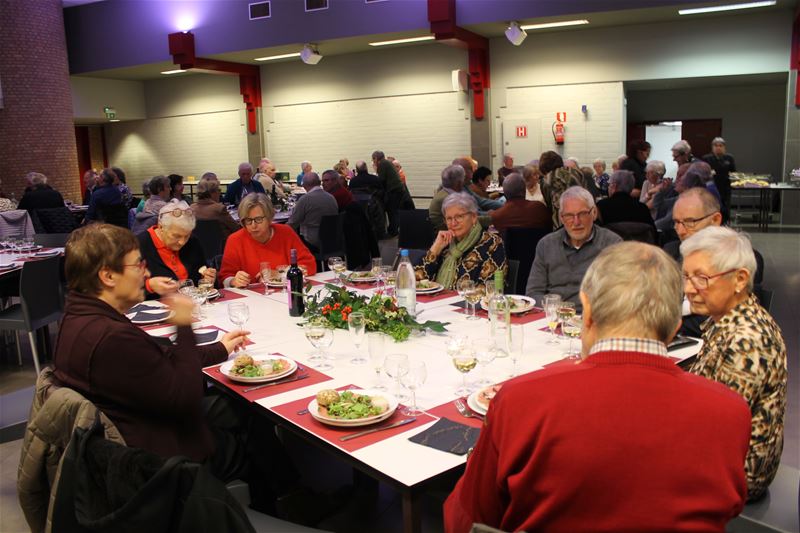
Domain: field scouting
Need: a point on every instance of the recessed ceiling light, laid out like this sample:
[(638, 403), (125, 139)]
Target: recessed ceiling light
[(113, 120), (554, 24), (403, 41), (281, 56), (728, 7), (176, 71)]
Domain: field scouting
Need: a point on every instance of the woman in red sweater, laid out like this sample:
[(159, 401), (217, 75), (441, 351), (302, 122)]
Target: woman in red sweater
[(259, 241)]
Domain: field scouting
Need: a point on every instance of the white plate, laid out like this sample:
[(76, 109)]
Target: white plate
[(220, 334), (213, 294), (525, 304), (361, 277), (227, 365), (8, 266), (276, 284), (473, 404), (144, 321), (29, 248), (313, 408), (433, 289), (48, 253)]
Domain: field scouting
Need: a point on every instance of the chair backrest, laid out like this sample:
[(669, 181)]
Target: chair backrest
[(764, 297), (211, 237), (511, 278), (520, 244), (16, 223), (56, 220), (359, 239), (331, 236), (634, 231), (115, 214), (415, 255), (416, 231), (40, 292), (51, 240), (758, 277)]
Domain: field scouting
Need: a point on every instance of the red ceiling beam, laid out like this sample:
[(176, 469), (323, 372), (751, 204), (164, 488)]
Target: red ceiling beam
[(181, 48), (442, 18)]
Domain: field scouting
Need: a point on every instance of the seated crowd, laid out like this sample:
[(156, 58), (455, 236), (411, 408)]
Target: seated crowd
[(730, 419)]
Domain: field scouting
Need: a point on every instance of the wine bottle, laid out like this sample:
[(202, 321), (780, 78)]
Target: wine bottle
[(294, 286)]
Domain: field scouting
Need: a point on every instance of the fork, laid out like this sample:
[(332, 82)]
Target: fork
[(466, 411)]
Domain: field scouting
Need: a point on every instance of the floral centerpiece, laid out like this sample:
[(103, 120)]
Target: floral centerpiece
[(334, 304)]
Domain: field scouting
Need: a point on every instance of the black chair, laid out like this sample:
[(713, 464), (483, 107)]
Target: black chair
[(211, 237), (415, 255), (416, 231), (331, 239), (511, 282), (359, 239), (51, 240), (634, 231), (40, 302), (520, 244), (114, 214), (55, 220), (764, 297)]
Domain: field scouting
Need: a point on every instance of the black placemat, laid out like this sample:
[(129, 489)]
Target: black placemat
[(448, 436)]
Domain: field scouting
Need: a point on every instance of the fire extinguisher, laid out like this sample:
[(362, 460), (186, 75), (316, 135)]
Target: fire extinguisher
[(558, 132)]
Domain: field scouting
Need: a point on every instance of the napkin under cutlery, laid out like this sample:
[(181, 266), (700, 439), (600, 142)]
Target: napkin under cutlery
[(448, 436)]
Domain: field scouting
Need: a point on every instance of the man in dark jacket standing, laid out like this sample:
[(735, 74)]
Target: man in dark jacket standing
[(393, 187)]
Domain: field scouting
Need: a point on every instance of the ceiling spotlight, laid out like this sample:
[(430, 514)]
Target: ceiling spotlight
[(515, 34), (310, 55)]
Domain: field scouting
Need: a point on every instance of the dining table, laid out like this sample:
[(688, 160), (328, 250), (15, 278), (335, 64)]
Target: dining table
[(386, 455)]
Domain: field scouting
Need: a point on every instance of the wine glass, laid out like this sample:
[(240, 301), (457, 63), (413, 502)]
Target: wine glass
[(473, 295), (396, 366), (282, 270), (485, 352), (357, 326), (320, 336), (389, 278), (464, 287), (186, 287), (566, 310), (375, 342), (516, 342), (551, 305), (572, 329), (463, 357), (377, 264), (266, 273), (414, 379), (238, 313), (336, 264)]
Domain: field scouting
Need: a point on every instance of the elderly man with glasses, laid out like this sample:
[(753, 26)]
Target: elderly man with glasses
[(171, 252), (563, 257)]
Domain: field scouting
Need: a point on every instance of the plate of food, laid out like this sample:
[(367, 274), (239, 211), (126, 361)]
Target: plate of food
[(519, 304), (246, 368), (361, 276), (427, 286), (479, 400), (351, 408)]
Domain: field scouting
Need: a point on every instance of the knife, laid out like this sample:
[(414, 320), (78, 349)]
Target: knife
[(375, 430), (281, 382)]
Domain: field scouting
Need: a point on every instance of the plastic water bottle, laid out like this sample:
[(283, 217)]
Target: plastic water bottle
[(500, 317), (406, 285)]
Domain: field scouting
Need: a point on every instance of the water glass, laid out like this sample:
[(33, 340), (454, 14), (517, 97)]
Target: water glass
[(321, 337), (238, 313), (572, 329), (414, 379), (357, 326), (396, 366), (485, 353), (376, 342), (266, 273), (551, 304), (389, 277), (377, 264), (516, 342)]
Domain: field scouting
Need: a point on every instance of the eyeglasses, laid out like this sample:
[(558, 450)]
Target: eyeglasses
[(701, 282), (456, 219), (177, 213), (254, 220), (141, 265), (689, 223), (575, 216)]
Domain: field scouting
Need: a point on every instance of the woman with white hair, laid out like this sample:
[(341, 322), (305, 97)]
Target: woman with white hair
[(171, 252), (464, 250), (742, 345)]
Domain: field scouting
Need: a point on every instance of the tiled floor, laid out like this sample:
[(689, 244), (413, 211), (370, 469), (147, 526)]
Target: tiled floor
[(782, 259)]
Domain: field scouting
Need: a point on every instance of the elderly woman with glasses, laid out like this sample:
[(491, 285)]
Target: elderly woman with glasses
[(260, 241), (742, 345), (171, 252), (464, 250)]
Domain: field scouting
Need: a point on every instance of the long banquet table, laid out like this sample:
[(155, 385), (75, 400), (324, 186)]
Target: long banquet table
[(403, 465)]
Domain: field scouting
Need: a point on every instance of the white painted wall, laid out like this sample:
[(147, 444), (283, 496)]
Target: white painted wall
[(91, 95)]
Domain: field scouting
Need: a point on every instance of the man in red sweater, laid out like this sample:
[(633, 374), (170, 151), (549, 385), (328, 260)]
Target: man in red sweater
[(622, 441), (332, 185)]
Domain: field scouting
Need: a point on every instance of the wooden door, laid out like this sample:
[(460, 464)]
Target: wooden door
[(700, 133)]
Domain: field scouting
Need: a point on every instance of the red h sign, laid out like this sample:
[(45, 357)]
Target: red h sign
[(522, 131)]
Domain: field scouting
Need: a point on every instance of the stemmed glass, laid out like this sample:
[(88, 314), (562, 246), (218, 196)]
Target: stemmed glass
[(551, 304), (266, 273), (375, 343), (467, 290), (396, 366), (414, 379), (282, 270), (463, 357), (566, 310), (388, 276), (516, 343), (572, 329), (238, 313), (357, 326), (321, 337), (377, 266), (485, 353)]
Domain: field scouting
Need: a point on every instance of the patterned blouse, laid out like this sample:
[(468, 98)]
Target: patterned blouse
[(746, 352), (478, 264)]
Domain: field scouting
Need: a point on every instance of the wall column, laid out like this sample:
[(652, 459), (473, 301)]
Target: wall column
[(36, 122)]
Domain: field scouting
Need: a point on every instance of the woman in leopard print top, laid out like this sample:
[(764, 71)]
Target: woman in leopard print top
[(742, 345)]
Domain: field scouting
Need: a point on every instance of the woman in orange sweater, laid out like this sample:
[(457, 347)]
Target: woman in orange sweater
[(258, 241)]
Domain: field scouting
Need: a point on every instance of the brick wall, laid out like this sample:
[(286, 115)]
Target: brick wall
[(36, 124)]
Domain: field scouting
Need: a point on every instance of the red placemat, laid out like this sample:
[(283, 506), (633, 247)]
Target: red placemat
[(314, 376), (227, 295), (332, 434), (522, 318), (428, 298), (448, 410)]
